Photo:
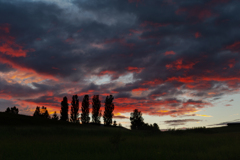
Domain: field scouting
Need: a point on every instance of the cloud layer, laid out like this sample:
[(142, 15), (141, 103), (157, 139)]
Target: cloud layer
[(164, 57)]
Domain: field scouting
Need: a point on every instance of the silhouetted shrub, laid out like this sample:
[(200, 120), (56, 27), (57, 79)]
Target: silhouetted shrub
[(85, 110), (108, 113), (13, 110), (114, 123), (64, 109), (74, 109), (55, 116), (37, 112), (96, 112), (41, 112)]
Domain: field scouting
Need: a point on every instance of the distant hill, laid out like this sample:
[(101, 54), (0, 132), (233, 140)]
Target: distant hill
[(8, 119)]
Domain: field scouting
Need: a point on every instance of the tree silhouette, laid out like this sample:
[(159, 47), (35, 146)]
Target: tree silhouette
[(74, 109), (41, 112), (37, 112), (8, 110), (136, 120), (55, 116), (13, 110), (44, 112), (85, 110), (108, 113), (96, 113), (155, 127), (64, 109)]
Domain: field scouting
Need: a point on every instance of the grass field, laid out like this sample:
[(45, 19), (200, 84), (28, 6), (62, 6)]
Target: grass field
[(48, 140)]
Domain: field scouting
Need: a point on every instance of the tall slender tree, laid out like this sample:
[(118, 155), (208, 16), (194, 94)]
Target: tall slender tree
[(85, 110), (64, 109), (96, 112), (108, 113), (74, 109)]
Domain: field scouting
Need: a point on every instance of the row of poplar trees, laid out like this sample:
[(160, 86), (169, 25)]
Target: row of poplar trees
[(96, 112)]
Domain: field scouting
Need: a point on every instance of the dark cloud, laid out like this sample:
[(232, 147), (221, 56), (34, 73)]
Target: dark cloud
[(225, 123), (120, 117), (148, 54), (180, 122)]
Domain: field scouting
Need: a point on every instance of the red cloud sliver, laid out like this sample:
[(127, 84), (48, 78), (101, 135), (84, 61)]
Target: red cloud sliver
[(169, 53)]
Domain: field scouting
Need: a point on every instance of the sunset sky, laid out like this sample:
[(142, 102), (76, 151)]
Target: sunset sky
[(177, 61)]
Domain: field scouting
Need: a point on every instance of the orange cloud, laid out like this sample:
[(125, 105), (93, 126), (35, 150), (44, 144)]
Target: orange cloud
[(182, 79), (135, 69), (153, 83), (159, 108), (199, 85), (25, 69), (139, 89), (203, 115), (231, 63), (178, 64), (9, 46), (234, 47), (69, 40), (169, 53), (154, 96), (197, 34), (5, 27)]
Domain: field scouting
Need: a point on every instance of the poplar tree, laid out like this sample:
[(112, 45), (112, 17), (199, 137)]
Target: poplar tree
[(96, 112), (64, 109), (85, 110), (74, 109), (108, 113)]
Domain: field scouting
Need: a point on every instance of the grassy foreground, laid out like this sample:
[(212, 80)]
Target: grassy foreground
[(56, 140)]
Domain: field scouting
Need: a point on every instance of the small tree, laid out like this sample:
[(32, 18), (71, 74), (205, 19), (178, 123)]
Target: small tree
[(37, 112), (44, 112), (85, 110), (114, 123), (64, 109), (155, 127), (74, 109), (96, 112), (41, 112), (136, 120), (8, 110), (13, 110), (55, 116), (108, 113)]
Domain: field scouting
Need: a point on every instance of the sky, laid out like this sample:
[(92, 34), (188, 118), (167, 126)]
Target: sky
[(175, 61)]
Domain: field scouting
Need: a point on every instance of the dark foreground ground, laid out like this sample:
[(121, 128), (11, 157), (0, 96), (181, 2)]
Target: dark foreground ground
[(29, 138)]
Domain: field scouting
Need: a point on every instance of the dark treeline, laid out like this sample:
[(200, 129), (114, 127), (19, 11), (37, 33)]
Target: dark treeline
[(84, 117), (137, 122)]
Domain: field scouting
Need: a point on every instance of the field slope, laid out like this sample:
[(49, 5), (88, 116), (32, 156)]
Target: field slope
[(29, 138)]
